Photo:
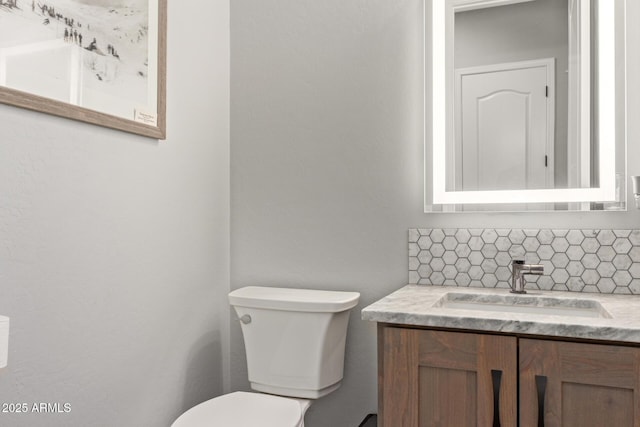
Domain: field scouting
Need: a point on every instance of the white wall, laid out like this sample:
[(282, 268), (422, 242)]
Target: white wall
[(114, 249), (326, 171)]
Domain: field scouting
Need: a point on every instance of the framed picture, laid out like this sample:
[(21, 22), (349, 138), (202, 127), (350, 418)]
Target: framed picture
[(97, 61)]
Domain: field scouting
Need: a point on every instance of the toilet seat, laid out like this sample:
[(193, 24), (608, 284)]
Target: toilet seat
[(242, 409)]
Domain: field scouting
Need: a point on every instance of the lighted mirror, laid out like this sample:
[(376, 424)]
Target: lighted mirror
[(528, 105)]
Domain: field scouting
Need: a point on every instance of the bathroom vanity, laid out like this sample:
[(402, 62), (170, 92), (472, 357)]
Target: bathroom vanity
[(465, 357)]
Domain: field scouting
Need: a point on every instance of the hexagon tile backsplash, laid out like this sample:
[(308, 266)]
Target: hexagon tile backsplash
[(603, 261)]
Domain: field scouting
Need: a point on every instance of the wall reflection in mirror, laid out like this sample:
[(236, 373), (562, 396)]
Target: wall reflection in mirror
[(522, 88)]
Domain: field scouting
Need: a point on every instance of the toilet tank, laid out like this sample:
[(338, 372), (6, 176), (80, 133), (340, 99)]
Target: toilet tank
[(294, 338)]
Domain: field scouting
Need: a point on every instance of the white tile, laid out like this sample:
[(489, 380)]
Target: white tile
[(606, 253), (622, 246), (531, 258), (489, 236), (622, 233), (414, 249), (590, 277), (517, 251), (476, 243), (606, 269), (516, 237), (476, 258), (425, 257), (575, 237), (575, 268), (545, 252), (560, 244), (634, 286), (414, 235), (489, 281), (545, 237), (414, 277), (437, 250), (462, 235), (531, 244), (449, 257), (575, 284), (545, 283), (606, 286), (560, 260), (489, 266), (449, 243), (463, 279), (606, 237), (424, 271), (463, 250), (560, 233), (590, 261), (463, 265), (622, 262), (560, 275), (437, 264), (503, 274), (503, 259), (503, 232), (622, 278), (437, 235), (475, 272), (503, 243), (634, 270), (575, 253), (489, 250), (590, 245), (424, 242), (437, 278), (450, 272)]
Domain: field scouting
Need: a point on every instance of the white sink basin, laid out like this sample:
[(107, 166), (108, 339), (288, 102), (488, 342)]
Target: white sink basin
[(524, 304), (4, 340)]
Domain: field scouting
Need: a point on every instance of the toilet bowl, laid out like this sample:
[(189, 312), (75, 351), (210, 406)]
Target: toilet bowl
[(294, 341)]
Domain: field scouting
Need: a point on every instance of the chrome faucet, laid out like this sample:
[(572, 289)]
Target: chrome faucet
[(518, 270)]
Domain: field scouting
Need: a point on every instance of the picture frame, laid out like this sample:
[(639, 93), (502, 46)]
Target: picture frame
[(94, 61)]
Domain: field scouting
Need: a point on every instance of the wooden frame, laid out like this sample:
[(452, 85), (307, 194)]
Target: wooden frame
[(142, 120)]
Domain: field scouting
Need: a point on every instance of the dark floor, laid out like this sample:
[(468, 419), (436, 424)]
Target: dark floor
[(371, 420)]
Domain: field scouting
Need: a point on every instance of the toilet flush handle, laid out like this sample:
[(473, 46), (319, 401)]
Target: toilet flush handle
[(246, 319)]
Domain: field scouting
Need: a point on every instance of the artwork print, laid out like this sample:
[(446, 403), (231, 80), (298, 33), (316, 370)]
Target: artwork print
[(99, 55)]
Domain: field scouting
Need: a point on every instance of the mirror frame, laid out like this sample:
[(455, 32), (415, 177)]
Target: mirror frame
[(441, 12)]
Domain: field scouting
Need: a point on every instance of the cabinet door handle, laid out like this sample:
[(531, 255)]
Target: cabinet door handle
[(496, 379), (541, 387)]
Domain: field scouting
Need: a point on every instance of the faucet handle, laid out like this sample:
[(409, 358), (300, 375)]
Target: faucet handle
[(518, 271)]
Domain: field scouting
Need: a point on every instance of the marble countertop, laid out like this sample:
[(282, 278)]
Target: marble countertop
[(420, 305)]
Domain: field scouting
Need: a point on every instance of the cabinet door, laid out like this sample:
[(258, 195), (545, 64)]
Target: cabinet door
[(435, 378), (578, 385)]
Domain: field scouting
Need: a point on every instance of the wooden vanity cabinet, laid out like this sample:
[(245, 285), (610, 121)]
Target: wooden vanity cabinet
[(458, 379), (578, 384)]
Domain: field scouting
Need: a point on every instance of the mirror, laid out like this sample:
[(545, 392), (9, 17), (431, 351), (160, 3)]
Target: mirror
[(528, 105)]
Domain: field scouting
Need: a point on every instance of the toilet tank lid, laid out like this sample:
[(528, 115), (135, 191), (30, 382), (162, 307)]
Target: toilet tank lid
[(294, 299)]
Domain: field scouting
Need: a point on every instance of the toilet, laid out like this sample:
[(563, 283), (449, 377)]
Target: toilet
[(294, 340)]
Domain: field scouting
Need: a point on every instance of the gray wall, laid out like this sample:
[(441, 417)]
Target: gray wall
[(114, 249), (326, 162)]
